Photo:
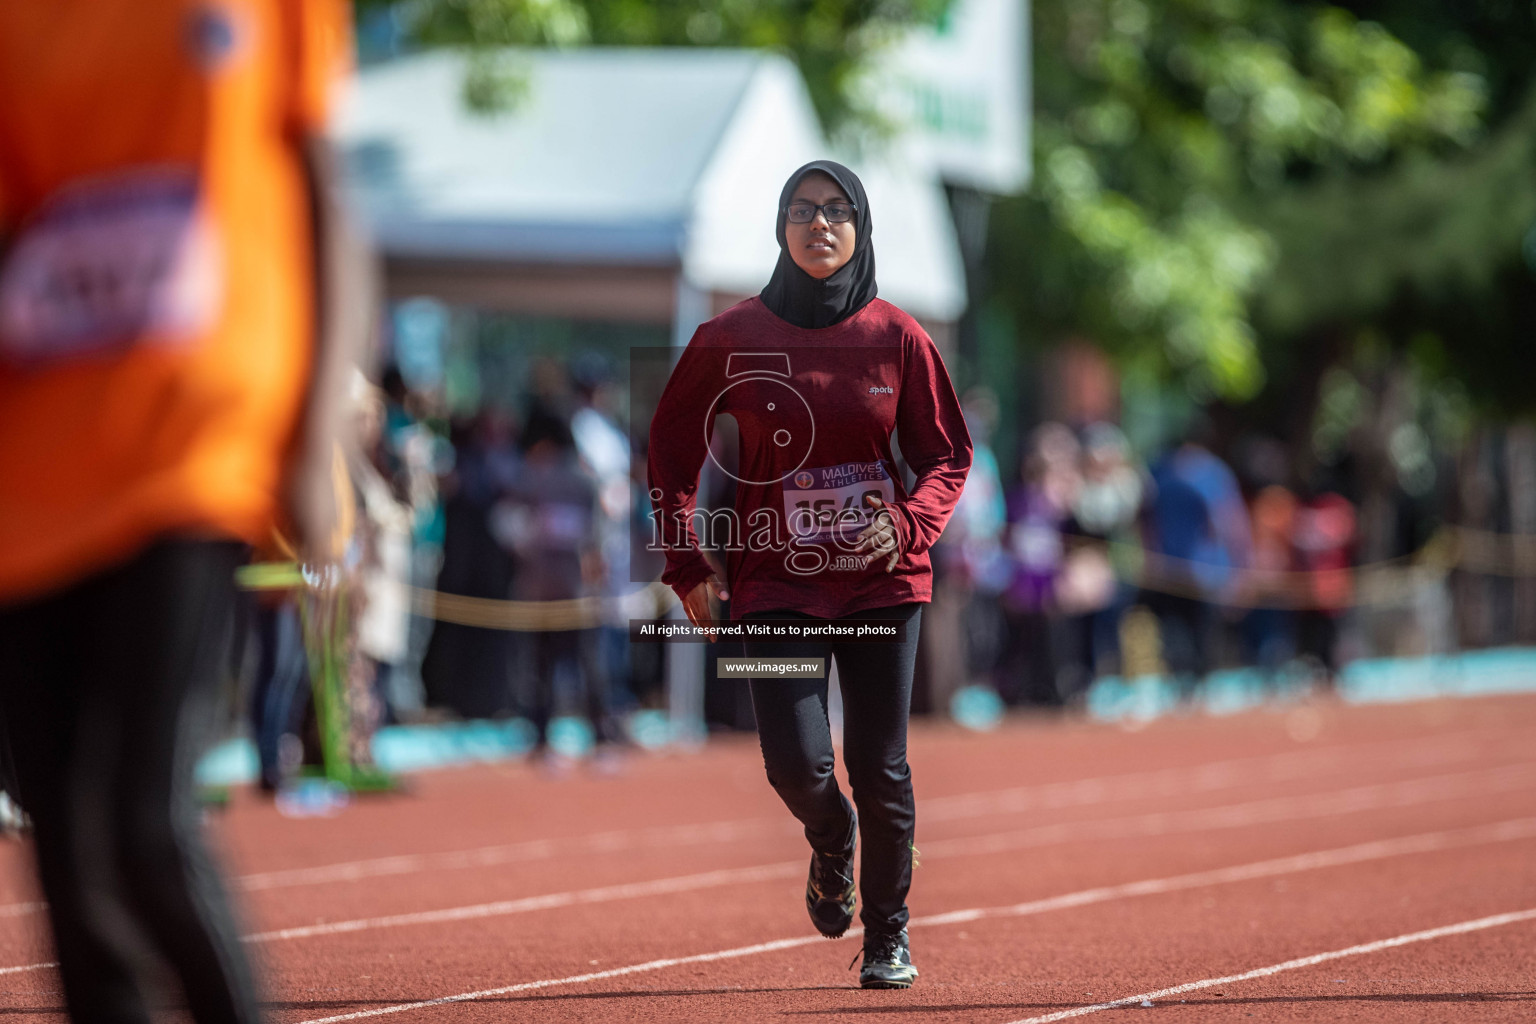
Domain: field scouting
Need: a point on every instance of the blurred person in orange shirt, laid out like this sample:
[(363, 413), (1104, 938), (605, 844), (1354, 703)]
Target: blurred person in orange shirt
[(178, 303), (1269, 628)]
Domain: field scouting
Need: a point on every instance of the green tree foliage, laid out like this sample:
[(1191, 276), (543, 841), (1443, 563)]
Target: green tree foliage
[(1434, 254), (1164, 131), (827, 39), (1226, 190)]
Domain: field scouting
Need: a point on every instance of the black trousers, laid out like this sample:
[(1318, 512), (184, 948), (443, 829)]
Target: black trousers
[(107, 692), (280, 692), (876, 681), (574, 653), (1189, 628)]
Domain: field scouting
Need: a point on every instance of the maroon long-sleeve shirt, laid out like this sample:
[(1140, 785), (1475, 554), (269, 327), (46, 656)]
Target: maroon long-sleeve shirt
[(815, 408)]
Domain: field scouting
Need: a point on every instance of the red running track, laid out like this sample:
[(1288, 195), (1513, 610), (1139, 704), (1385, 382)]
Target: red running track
[(1318, 862)]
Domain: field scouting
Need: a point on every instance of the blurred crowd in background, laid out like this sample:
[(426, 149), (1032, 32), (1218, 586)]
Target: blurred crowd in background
[(1082, 559), (1230, 561), (533, 507)]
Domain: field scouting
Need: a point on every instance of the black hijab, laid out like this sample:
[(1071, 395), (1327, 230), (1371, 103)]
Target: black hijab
[(801, 299)]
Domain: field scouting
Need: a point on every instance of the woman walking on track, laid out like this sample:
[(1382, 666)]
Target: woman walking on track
[(818, 372)]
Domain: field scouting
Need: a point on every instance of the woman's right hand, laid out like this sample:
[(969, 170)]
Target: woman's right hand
[(703, 604)]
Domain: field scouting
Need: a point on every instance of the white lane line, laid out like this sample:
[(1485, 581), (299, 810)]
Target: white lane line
[(1504, 831), (1382, 796), (1445, 931), (1236, 815), (1078, 793), (617, 972), (1427, 842), (536, 849), (22, 909), (502, 908), (1287, 767), (23, 968)]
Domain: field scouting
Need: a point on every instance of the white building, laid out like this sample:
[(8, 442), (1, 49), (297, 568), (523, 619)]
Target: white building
[(629, 186)]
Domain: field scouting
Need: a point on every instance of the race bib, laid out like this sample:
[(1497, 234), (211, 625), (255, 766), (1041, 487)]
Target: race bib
[(108, 263), (824, 504)]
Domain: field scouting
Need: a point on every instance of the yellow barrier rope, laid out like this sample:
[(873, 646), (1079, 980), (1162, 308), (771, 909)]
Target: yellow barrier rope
[(651, 602), (1376, 583), (1372, 584), (1494, 554), (542, 616)]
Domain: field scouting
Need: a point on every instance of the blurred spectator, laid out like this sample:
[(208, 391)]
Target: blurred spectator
[(374, 566), (1198, 524), (1269, 628), (604, 451), (412, 456), (466, 669), (1106, 550), (1324, 538), (280, 688), (381, 608), (1037, 511), (976, 530), (547, 519)]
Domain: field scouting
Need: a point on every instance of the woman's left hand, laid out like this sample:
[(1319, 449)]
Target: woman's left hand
[(879, 539)]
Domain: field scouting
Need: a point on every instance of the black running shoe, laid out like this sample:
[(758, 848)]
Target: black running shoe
[(829, 892), (887, 962)]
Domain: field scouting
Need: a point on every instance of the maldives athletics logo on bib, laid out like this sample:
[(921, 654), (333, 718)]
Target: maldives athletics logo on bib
[(831, 503)]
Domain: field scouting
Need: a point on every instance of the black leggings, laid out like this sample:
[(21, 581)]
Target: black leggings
[(876, 680), (107, 691)]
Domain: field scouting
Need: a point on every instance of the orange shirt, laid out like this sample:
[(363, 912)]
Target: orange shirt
[(156, 297)]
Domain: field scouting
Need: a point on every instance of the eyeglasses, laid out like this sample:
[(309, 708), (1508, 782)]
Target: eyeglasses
[(836, 213)]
